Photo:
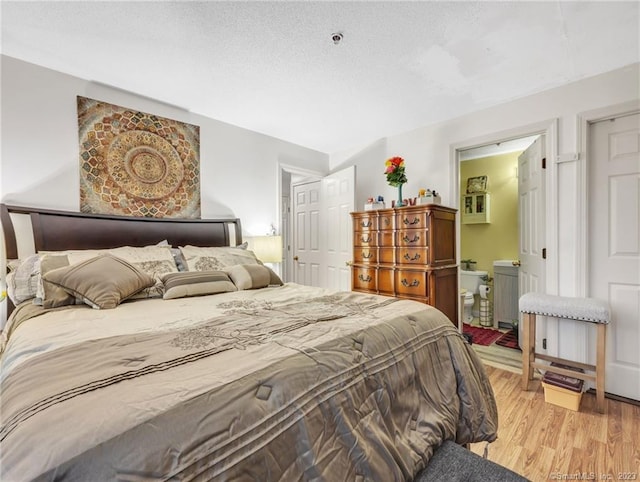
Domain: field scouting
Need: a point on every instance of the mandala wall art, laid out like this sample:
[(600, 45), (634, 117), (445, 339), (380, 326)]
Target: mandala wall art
[(137, 164)]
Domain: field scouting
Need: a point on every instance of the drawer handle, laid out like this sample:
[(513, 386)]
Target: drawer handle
[(366, 240), (365, 224), (405, 283), (409, 258), (407, 239), (415, 221), (366, 255), (366, 280)]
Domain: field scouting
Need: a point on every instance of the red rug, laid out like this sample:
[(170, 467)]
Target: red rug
[(509, 340), (481, 336)]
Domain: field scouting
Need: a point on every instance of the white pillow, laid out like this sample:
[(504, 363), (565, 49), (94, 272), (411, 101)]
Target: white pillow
[(23, 280)]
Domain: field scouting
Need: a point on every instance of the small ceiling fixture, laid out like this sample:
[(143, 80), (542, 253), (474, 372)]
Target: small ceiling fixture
[(336, 37)]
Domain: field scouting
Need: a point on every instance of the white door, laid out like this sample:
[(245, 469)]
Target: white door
[(338, 201), (614, 245), (307, 255), (531, 224), (322, 240), (285, 230)]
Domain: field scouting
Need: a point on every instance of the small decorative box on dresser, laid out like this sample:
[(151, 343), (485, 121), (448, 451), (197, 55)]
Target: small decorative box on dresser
[(408, 252)]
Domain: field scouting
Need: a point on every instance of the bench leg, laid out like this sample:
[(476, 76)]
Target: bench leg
[(600, 366), (528, 348)]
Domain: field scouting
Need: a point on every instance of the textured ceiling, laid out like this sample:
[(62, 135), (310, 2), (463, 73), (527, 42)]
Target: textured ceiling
[(272, 67)]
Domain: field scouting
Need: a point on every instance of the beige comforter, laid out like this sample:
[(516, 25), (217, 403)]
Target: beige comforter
[(287, 383)]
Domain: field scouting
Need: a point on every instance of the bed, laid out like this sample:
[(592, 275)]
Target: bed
[(257, 381)]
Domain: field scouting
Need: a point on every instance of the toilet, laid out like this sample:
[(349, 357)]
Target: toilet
[(470, 281)]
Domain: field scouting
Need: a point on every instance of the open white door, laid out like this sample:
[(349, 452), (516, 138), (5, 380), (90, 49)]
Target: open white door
[(531, 224), (614, 245), (338, 201), (322, 243)]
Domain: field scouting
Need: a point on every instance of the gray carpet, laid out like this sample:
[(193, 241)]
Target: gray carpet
[(454, 463)]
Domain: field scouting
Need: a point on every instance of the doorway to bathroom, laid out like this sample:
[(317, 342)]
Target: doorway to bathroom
[(497, 191)]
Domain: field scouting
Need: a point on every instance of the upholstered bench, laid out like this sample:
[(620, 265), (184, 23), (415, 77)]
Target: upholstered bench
[(580, 309)]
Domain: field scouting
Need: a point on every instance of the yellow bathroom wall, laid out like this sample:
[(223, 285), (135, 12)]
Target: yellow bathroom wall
[(498, 239)]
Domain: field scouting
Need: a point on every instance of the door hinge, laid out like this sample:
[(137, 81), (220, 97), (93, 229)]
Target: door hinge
[(544, 163), (544, 253)]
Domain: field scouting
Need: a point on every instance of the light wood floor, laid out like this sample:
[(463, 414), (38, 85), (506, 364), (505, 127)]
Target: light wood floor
[(544, 442)]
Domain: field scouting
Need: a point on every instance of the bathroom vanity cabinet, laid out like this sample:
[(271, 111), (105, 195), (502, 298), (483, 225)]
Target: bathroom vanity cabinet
[(407, 252), (505, 295)]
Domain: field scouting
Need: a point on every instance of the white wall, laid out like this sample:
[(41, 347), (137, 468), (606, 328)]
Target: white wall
[(428, 153), (426, 150), (39, 154)]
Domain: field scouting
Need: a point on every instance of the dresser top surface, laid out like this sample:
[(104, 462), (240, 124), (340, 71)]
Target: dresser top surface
[(406, 209)]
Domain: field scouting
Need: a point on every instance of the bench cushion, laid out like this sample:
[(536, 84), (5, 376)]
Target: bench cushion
[(582, 309), (454, 463)]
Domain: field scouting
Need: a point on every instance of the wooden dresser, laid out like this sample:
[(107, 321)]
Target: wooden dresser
[(408, 252)]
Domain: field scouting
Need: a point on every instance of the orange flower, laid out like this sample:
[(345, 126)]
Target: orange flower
[(395, 171)]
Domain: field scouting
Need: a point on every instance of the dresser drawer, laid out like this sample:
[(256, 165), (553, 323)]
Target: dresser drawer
[(386, 221), (365, 238), (365, 223), (386, 238), (412, 237), (411, 220), (386, 255), (385, 281), (411, 283), (413, 255), (364, 279), (365, 255)]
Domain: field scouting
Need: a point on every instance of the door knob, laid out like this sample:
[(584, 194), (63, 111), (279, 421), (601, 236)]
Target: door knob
[(295, 258)]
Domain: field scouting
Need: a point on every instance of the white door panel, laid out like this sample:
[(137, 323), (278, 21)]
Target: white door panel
[(322, 227), (531, 219), (339, 201), (306, 227), (614, 245)]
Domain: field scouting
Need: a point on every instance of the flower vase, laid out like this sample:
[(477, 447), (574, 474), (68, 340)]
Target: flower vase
[(399, 203)]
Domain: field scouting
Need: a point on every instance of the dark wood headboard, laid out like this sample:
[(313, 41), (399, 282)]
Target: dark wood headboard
[(60, 230)]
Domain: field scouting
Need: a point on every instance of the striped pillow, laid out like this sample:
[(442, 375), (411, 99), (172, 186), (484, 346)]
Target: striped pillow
[(252, 276), (195, 283)]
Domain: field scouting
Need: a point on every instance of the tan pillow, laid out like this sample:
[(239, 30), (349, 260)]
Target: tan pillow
[(252, 276), (216, 258), (102, 282), (196, 283), (274, 279), (54, 296), (153, 260)]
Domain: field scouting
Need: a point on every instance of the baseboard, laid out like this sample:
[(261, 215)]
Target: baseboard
[(617, 398)]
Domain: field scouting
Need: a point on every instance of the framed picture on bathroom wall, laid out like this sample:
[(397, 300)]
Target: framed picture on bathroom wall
[(476, 184)]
